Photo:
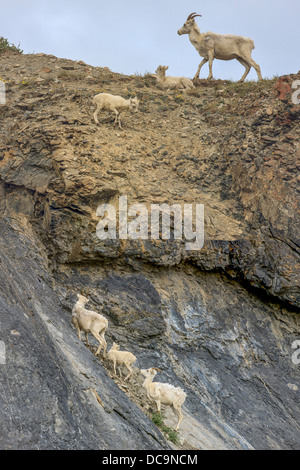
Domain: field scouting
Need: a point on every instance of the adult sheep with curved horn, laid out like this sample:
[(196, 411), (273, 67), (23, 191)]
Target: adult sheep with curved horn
[(219, 46)]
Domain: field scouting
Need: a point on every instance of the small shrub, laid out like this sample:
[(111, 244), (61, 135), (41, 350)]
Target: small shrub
[(157, 419), (178, 98), (171, 434), (5, 45), (24, 83)]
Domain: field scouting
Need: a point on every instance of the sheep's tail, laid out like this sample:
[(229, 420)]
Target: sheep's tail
[(251, 43), (182, 396)]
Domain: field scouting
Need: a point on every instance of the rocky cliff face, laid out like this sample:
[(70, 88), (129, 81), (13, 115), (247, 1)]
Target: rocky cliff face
[(219, 322)]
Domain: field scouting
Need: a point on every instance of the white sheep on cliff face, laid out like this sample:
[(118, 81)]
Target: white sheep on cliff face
[(162, 393), (89, 322), (219, 46), (120, 358), (115, 104)]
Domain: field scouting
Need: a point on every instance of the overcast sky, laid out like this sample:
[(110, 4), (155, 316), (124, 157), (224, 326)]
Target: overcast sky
[(134, 36)]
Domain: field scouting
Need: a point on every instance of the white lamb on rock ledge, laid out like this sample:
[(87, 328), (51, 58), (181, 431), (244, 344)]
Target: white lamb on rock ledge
[(162, 393), (89, 322), (115, 104), (125, 358)]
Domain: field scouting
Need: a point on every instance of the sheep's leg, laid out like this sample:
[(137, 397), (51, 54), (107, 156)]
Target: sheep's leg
[(79, 332), (86, 338), (96, 113), (130, 371), (179, 415), (116, 116), (103, 343), (114, 365), (247, 67), (210, 62), (119, 121), (98, 337), (248, 62), (158, 405), (199, 68), (257, 69), (99, 349)]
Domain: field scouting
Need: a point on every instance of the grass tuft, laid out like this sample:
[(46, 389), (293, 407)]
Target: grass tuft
[(171, 434), (5, 45)]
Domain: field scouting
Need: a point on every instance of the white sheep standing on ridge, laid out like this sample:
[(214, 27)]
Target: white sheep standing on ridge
[(171, 83), (219, 46), (89, 322), (115, 104), (162, 393), (120, 358)]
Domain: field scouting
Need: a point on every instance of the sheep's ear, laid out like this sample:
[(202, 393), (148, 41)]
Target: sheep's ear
[(167, 67)]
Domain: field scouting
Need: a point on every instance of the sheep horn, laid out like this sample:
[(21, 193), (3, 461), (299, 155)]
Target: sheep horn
[(192, 16), (156, 368)]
